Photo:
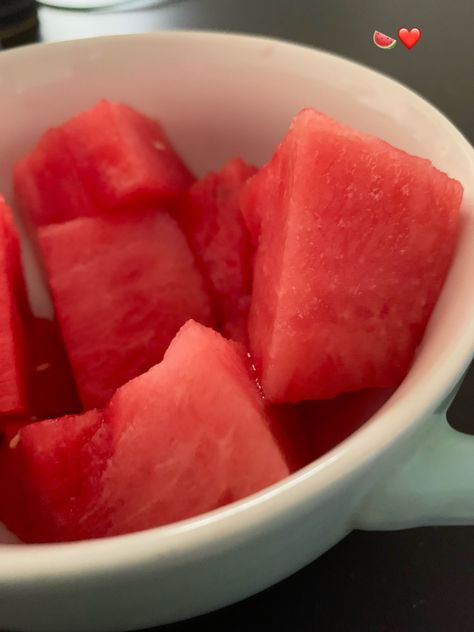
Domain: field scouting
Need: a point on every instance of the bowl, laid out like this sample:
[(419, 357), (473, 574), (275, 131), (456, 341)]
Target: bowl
[(220, 95)]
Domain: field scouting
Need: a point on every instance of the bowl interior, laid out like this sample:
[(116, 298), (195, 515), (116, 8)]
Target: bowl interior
[(222, 95)]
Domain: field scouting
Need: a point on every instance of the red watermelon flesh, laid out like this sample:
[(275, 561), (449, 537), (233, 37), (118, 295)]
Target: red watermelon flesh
[(53, 470), (48, 185), (124, 157), (122, 286), (13, 511), (292, 433), (353, 249), (185, 440), (326, 423), (172, 443), (287, 424), (308, 430), (252, 195), (13, 396), (210, 217), (107, 157), (51, 389)]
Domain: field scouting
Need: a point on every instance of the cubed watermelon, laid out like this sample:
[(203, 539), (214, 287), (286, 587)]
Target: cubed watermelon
[(353, 249), (108, 157), (186, 440), (48, 185), (122, 286), (172, 443), (52, 473), (210, 217), (13, 371)]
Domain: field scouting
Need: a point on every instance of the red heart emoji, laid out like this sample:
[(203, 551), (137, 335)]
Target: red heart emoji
[(409, 37)]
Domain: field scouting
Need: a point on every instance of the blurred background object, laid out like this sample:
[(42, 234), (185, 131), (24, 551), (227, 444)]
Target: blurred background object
[(81, 5), (91, 5), (18, 22)]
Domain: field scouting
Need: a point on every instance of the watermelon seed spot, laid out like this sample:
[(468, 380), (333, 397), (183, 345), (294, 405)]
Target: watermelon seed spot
[(15, 441), (43, 366), (159, 145)]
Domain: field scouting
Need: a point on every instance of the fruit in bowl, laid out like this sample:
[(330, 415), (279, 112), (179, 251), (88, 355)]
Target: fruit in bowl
[(235, 97), (318, 272)]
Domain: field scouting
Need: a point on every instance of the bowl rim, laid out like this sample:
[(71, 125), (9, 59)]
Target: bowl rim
[(132, 552)]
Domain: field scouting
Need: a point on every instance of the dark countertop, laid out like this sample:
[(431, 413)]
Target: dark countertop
[(418, 580)]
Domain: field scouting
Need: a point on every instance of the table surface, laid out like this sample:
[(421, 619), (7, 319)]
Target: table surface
[(421, 579)]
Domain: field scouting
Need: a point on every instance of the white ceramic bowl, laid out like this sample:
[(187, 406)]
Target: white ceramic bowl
[(221, 95)]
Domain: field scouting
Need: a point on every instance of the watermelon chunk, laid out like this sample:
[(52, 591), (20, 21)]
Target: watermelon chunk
[(52, 472), (13, 378), (48, 185), (122, 286), (108, 157), (172, 443), (186, 441), (210, 217), (353, 250)]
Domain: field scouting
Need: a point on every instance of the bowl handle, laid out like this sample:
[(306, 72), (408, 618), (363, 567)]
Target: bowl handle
[(434, 486)]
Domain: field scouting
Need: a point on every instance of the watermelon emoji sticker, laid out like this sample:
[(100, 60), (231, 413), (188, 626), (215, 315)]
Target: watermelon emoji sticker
[(384, 41)]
